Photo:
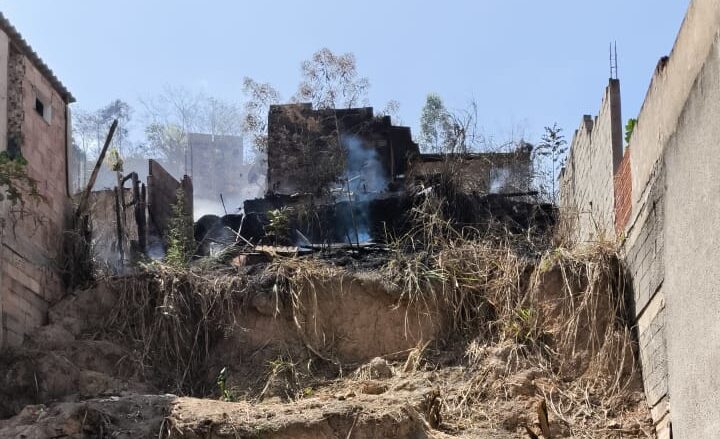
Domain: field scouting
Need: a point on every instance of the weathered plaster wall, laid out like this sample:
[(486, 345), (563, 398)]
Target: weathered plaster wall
[(692, 241), (32, 243), (669, 90), (586, 183)]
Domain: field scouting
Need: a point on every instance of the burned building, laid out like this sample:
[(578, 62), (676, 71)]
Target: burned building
[(482, 173), (124, 228), (34, 125), (352, 176), (316, 150)]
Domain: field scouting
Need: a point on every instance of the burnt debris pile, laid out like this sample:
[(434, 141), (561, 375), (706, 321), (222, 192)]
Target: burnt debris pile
[(350, 179)]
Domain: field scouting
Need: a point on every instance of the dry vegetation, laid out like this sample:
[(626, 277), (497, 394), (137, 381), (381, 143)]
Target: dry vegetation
[(535, 341)]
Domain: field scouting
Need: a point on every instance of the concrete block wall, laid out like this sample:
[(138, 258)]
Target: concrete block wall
[(586, 183), (162, 188), (31, 244), (644, 254), (670, 231)]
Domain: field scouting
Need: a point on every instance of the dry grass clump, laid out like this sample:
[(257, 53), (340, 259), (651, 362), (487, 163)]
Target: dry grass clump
[(173, 316), (469, 274), (564, 339), (552, 319)]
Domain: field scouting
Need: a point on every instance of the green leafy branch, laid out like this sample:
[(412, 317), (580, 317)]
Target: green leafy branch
[(15, 181)]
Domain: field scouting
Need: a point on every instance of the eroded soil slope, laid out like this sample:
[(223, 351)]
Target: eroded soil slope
[(475, 341)]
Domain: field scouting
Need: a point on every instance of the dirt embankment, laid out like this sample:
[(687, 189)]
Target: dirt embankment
[(487, 344)]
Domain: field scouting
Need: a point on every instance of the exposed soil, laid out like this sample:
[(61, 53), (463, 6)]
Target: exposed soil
[(329, 354)]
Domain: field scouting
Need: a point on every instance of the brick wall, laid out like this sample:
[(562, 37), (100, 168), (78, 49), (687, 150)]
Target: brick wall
[(32, 243), (623, 193)]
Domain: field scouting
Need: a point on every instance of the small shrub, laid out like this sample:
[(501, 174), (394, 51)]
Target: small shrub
[(225, 393), (279, 223), (180, 236)]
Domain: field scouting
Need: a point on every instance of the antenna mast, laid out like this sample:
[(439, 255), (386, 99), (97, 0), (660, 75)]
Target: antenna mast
[(613, 60)]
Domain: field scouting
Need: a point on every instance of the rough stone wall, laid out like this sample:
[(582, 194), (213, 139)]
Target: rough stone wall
[(32, 243), (161, 196), (586, 182)]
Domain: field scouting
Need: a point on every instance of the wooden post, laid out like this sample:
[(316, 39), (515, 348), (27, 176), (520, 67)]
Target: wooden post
[(96, 170), (119, 223)]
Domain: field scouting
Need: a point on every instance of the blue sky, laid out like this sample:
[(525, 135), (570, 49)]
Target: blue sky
[(527, 63)]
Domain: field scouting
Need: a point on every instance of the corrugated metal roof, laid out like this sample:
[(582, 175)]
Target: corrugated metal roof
[(26, 50)]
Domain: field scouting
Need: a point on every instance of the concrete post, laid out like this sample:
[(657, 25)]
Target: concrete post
[(4, 57), (616, 123)]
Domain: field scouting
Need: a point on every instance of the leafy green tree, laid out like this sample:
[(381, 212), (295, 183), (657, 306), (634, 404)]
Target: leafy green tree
[(166, 141), (629, 128), (447, 131)]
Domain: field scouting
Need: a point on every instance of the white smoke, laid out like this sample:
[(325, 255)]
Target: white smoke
[(364, 172), (499, 179), (365, 180)]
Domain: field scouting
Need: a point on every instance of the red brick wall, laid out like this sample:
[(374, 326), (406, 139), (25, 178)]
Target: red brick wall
[(31, 245), (623, 193)]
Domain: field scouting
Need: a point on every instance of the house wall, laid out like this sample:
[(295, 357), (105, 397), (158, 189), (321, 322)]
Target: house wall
[(31, 244), (586, 182)]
